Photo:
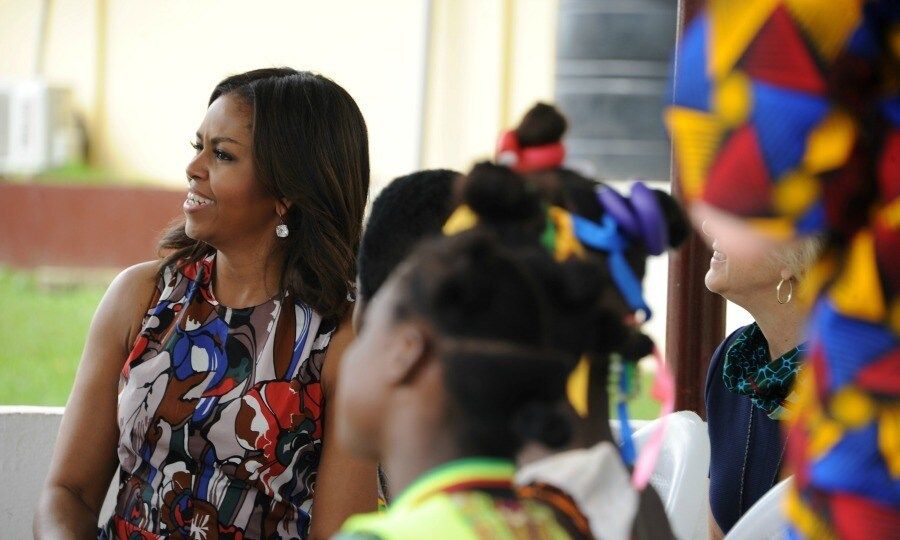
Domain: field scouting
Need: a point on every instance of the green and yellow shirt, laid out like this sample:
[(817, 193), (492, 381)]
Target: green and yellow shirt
[(466, 499)]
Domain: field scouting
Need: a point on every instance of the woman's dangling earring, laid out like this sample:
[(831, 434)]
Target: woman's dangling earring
[(281, 230), (790, 291)]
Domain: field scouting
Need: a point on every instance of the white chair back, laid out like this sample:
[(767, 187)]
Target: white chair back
[(765, 520), (27, 438), (680, 477)]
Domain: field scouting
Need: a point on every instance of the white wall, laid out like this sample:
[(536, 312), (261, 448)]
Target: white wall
[(490, 61), (142, 71), (145, 91)]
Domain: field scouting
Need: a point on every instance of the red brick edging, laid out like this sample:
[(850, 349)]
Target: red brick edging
[(83, 226)]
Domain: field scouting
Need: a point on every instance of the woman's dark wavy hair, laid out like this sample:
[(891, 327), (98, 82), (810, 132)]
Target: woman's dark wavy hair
[(310, 146)]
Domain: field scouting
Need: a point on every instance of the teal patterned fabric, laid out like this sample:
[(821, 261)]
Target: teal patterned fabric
[(749, 371)]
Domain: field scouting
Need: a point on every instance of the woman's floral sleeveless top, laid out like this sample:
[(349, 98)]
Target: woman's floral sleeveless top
[(220, 416)]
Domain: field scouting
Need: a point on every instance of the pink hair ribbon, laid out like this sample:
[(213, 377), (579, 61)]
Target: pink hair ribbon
[(663, 391)]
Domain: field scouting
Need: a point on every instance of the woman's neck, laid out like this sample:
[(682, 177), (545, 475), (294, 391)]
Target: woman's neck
[(246, 277), (781, 324)]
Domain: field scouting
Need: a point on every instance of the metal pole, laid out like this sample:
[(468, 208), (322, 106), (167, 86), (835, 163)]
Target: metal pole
[(695, 318)]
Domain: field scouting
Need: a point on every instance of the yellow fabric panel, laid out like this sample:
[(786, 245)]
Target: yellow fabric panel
[(889, 437), (733, 99), (733, 25), (857, 292), (793, 194), (827, 24), (696, 137), (830, 143)]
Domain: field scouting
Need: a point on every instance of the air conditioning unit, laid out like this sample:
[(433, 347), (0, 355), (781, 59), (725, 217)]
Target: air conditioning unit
[(38, 129)]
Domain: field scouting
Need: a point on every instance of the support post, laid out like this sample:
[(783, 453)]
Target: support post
[(695, 318)]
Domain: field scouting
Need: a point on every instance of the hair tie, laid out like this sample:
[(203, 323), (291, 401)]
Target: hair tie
[(462, 219), (652, 222), (528, 159), (639, 216), (566, 243), (606, 237), (565, 236)]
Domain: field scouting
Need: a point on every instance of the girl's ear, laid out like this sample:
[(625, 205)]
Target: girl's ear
[(410, 351)]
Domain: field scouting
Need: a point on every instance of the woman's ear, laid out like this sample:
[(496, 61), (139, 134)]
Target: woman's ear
[(786, 274), (282, 206)]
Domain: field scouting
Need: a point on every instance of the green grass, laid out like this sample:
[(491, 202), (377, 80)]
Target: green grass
[(83, 175), (643, 406), (42, 333)]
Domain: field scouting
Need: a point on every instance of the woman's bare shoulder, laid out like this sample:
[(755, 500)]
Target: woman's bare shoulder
[(127, 298)]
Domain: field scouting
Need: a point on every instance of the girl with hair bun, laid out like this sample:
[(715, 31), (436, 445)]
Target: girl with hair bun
[(646, 222), (498, 199), (454, 371), (617, 233)]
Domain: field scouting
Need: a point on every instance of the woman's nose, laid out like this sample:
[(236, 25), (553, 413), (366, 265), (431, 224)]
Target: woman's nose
[(194, 170)]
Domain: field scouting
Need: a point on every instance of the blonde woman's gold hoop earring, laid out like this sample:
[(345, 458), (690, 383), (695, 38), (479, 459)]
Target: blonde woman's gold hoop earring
[(790, 293)]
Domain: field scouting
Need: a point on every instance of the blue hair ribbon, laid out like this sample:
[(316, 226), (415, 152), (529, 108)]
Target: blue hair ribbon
[(605, 236), (626, 447)]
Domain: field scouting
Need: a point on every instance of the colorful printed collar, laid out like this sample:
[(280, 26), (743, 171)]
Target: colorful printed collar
[(750, 371), (458, 475)]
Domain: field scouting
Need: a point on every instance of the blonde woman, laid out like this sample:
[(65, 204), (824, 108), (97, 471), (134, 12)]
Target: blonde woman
[(751, 373)]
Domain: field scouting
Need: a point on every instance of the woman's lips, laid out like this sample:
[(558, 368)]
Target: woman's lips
[(195, 201), (718, 259)]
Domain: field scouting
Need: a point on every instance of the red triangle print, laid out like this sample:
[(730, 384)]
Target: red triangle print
[(889, 167), (780, 56), (738, 180), (883, 376)]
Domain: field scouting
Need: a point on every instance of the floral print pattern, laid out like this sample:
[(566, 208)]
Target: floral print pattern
[(220, 416)]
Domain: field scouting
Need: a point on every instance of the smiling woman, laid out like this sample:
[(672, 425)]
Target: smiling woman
[(225, 353), (751, 374)]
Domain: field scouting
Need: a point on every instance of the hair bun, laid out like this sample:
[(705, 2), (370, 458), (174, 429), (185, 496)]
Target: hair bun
[(583, 283), (636, 346), (542, 124), (499, 195), (542, 422), (468, 284), (676, 221)]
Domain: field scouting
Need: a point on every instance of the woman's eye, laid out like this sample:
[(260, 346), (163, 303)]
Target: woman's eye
[(220, 155), (196, 146)]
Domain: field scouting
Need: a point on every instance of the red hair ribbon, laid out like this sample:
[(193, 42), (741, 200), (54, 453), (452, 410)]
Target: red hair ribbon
[(528, 159)]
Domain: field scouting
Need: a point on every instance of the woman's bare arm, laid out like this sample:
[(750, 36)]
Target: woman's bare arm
[(715, 533), (344, 485), (84, 459)]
